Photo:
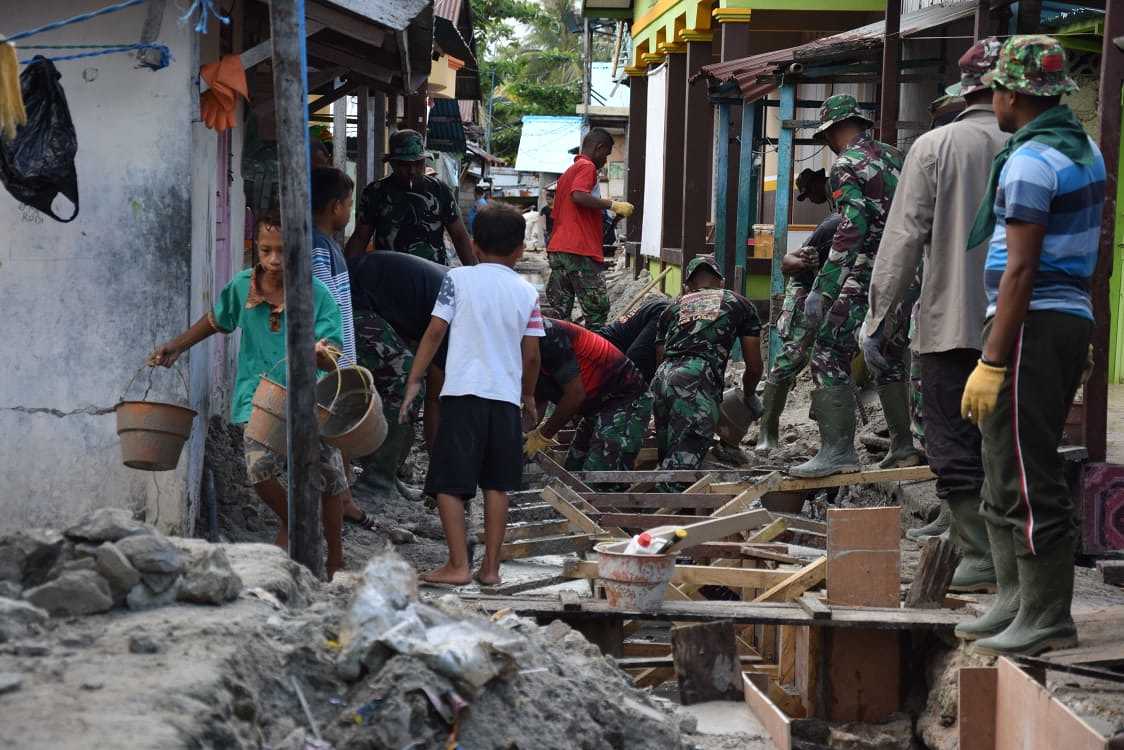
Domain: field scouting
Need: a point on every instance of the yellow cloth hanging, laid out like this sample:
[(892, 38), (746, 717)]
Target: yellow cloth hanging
[(12, 112)]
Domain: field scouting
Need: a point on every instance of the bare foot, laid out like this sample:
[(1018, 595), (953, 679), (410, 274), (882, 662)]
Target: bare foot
[(449, 576), (485, 578)]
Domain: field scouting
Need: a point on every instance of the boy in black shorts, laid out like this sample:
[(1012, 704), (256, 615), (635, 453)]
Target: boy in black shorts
[(493, 321)]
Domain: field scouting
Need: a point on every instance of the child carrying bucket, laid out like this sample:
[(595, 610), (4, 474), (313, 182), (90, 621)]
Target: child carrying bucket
[(254, 301)]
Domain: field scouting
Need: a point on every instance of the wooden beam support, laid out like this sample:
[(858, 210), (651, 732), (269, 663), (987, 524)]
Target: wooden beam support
[(891, 86), (794, 586), (790, 484), (579, 521), (696, 575), (552, 545)]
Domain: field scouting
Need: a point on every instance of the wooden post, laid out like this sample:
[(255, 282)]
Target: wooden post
[(378, 122), (365, 141), (735, 41), (1030, 16), (698, 121), (339, 134), (891, 89), (747, 192), (780, 217), (637, 150), (672, 235), (721, 175), (939, 558), (991, 21), (290, 69), (1112, 79)]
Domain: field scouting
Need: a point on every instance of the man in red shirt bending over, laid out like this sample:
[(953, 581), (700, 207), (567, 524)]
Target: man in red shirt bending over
[(575, 251)]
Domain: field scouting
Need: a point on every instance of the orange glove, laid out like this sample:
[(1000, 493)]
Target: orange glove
[(227, 80)]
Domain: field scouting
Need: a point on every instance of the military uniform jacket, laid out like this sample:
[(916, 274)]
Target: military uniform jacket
[(700, 328), (409, 220), (863, 181)]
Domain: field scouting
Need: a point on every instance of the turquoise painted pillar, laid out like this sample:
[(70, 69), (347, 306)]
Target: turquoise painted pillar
[(780, 220), (721, 172), (747, 195)]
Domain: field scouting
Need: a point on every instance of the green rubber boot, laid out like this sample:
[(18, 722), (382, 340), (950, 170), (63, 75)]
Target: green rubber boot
[(1045, 595), (772, 400), (895, 407), (380, 469), (1003, 610), (976, 571), (936, 527), (835, 412)]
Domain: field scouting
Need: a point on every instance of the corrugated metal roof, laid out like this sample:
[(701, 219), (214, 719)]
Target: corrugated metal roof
[(450, 9), (757, 75), (395, 14)]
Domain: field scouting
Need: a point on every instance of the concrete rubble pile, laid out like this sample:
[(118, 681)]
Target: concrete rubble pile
[(106, 560)]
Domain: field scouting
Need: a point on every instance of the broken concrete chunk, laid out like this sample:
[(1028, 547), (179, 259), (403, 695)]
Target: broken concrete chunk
[(158, 583), (402, 536), (141, 644), (27, 556), (77, 592), (142, 597), (18, 618), (210, 579), (152, 553), (107, 525), (116, 568), (10, 682), (66, 566), (896, 734)]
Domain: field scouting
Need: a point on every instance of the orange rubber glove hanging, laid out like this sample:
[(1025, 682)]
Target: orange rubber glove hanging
[(12, 112), (227, 80)]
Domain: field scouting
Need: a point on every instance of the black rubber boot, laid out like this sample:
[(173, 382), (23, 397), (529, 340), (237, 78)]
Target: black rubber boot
[(895, 407), (835, 412), (768, 431), (1045, 596), (936, 527), (380, 469), (976, 571), (1006, 605)]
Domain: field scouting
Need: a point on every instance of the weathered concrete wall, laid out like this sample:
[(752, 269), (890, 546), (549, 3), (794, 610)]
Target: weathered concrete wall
[(85, 302)]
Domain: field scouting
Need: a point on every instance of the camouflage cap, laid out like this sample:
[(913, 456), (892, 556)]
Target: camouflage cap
[(1034, 65), (405, 145), (974, 64), (698, 262), (837, 109)]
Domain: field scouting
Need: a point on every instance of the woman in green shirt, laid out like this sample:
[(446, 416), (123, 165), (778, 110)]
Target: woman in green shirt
[(254, 301)]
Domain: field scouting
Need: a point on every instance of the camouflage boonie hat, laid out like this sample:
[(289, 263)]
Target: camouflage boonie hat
[(837, 109), (1034, 65), (405, 145), (974, 64), (698, 262)]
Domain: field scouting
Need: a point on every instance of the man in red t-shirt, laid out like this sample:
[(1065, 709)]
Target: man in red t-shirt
[(584, 375), (575, 246)]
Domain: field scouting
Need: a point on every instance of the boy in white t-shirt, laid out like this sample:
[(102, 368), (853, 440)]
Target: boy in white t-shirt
[(492, 317)]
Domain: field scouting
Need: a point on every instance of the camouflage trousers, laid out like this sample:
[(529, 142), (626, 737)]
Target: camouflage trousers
[(902, 324), (685, 407), (916, 421), (382, 351), (611, 439), (795, 334), (576, 277), (836, 342)]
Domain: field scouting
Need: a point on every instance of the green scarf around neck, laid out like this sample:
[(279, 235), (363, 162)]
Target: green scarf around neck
[(1056, 127)]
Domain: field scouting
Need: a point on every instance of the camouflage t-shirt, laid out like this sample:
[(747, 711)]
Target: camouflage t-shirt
[(704, 325), (409, 220)]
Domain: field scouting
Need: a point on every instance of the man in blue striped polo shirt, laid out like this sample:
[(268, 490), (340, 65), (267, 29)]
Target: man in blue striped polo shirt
[(1045, 199)]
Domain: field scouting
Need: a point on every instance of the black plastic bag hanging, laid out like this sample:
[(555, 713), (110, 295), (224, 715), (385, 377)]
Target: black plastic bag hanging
[(38, 164)]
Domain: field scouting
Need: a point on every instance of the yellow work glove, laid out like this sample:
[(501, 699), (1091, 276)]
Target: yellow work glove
[(622, 208), (981, 392), (535, 442)]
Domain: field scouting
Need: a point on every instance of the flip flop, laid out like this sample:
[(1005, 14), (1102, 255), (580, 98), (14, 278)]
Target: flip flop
[(364, 522)]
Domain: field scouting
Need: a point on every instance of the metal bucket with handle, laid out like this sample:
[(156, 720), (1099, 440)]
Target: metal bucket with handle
[(152, 433)]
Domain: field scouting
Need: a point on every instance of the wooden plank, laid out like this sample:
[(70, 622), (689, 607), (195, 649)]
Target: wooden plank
[(579, 521), (808, 658), (811, 604), (1031, 662), (976, 707), (654, 500), (776, 722), (697, 575), (706, 662), (863, 674), (666, 660), (777, 613), (906, 474), (787, 700), (796, 584), (786, 656), (551, 545), (774, 529), (660, 475), (750, 494), (864, 556), (1112, 571), (642, 520), (1028, 717), (518, 587), (582, 506), (647, 649), (718, 528), (653, 677), (532, 513), (556, 470), (939, 558)]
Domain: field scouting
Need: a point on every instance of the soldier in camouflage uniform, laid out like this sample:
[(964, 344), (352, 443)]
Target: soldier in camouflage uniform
[(694, 339), (584, 375), (863, 180), (408, 211), (800, 266)]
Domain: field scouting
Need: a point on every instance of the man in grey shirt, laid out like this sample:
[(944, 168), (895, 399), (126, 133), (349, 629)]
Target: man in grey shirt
[(942, 183)]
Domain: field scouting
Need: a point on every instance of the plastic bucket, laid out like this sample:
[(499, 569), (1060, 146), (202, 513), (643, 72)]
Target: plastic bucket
[(152, 433), (734, 418), (356, 424), (634, 581), (267, 420)]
